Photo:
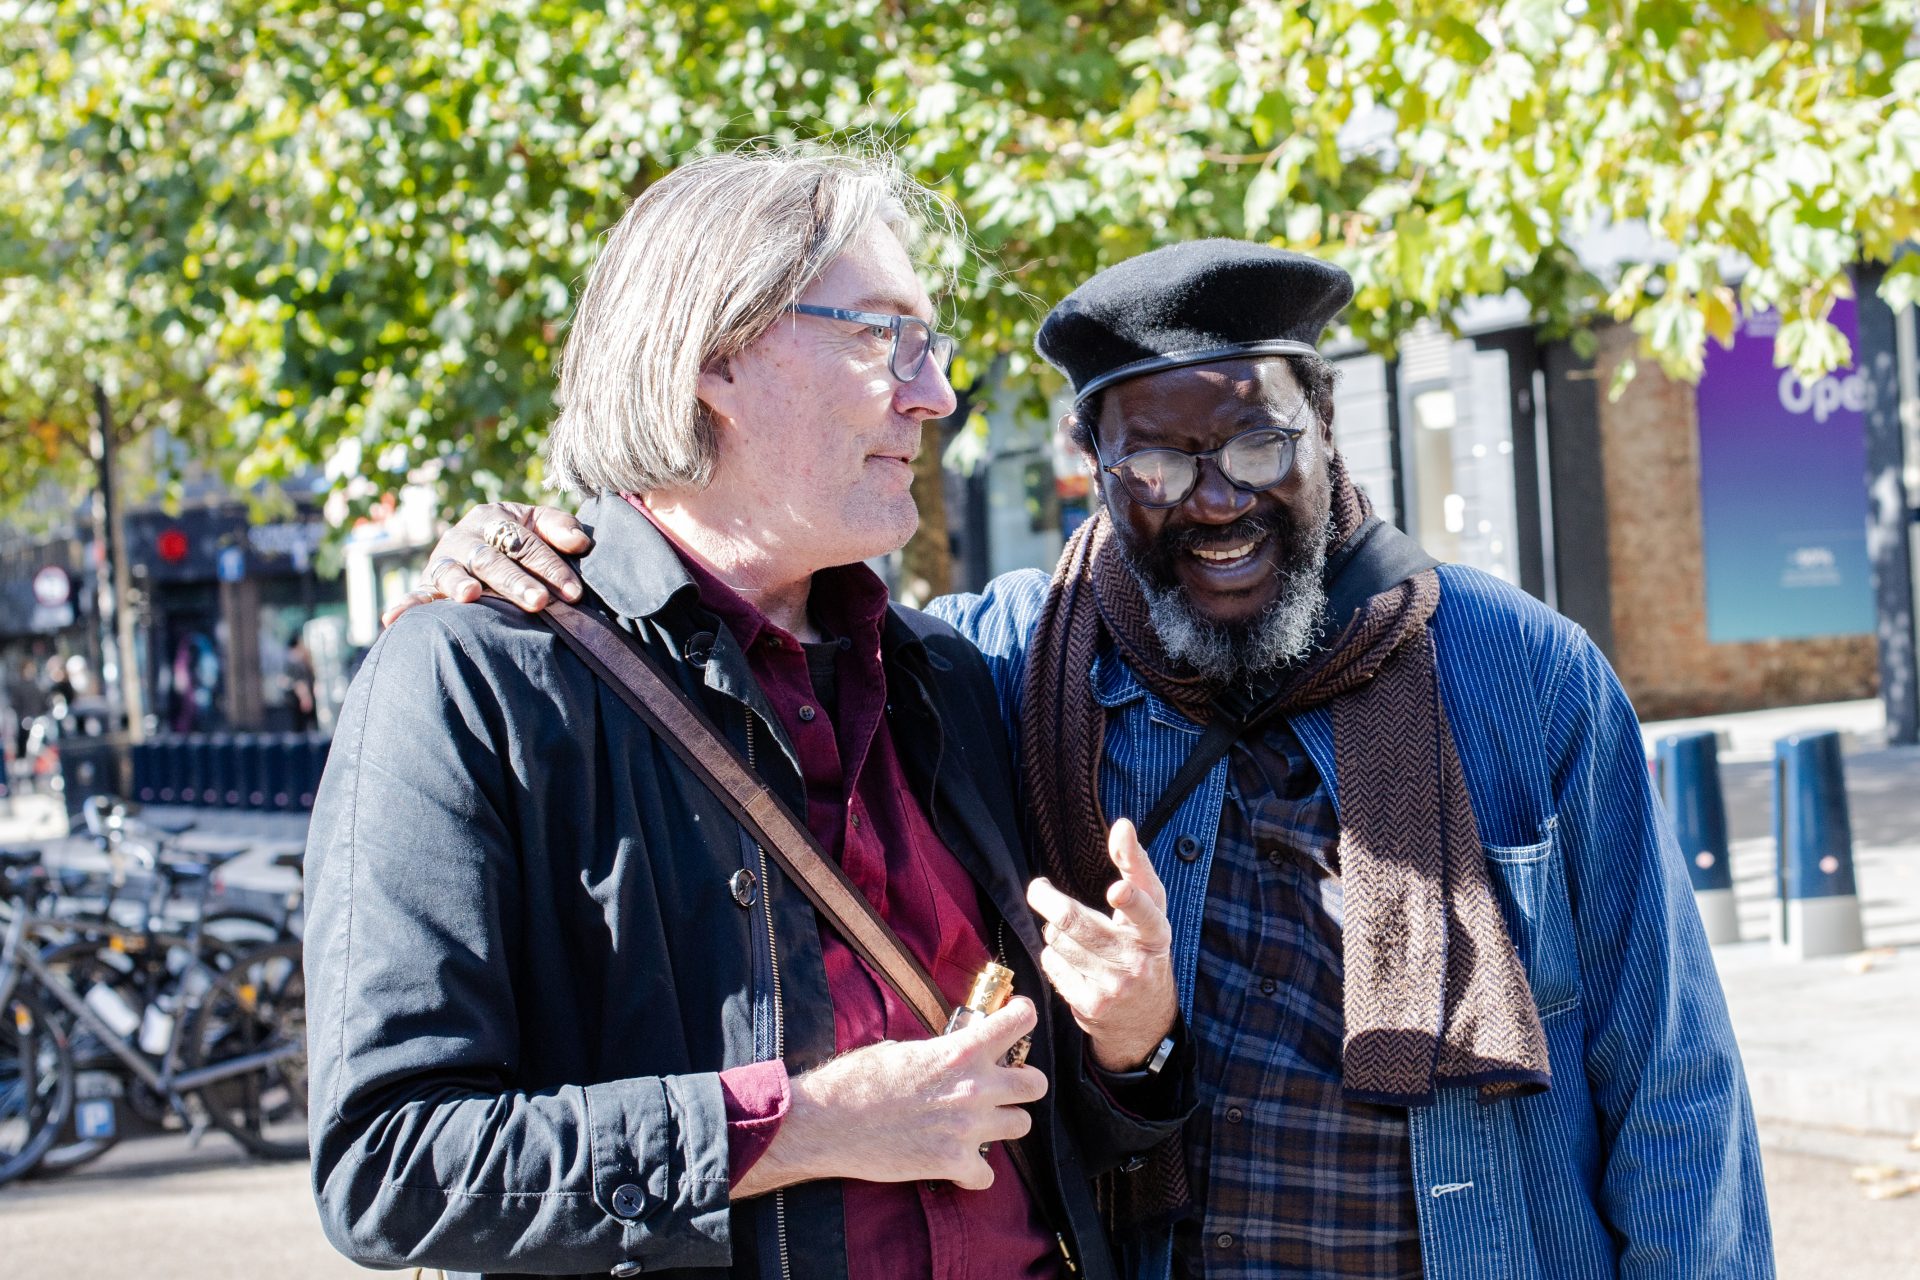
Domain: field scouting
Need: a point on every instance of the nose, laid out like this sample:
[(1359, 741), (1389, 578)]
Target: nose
[(928, 394), (1214, 499)]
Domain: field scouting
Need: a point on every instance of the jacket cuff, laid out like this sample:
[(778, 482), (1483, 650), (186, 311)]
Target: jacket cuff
[(1145, 1097), (659, 1156)]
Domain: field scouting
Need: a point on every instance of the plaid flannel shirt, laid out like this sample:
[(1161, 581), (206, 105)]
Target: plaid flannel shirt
[(1291, 1177)]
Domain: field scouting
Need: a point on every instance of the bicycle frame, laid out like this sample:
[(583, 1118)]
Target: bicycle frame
[(17, 957)]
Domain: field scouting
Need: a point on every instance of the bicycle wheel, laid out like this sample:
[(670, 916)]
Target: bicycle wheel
[(241, 929), (36, 1084), (108, 1099), (257, 1006)]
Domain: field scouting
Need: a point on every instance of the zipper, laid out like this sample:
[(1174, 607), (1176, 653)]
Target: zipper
[(779, 1012)]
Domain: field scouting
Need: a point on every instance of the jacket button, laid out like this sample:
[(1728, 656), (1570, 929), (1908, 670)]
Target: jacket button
[(625, 1269), (745, 888), (1188, 847), (627, 1200), (700, 648)]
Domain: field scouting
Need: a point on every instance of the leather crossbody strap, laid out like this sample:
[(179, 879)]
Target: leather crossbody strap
[(613, 656)]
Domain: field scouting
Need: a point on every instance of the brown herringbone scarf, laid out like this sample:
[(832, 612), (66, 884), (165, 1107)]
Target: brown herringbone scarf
[(1434, 989)]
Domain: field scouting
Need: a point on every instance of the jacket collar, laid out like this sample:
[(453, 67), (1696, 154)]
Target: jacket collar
[(635, 570), (631, 565)]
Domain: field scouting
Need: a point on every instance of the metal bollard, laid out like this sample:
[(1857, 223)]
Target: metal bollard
[(1687, 771), (223, 773), (146, 772), (198, 785), (1818, 908), (253, 769), (286, 755), (170, 768), (318, 745)]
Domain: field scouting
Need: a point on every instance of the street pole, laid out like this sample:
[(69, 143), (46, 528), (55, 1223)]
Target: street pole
[(1889, 514)]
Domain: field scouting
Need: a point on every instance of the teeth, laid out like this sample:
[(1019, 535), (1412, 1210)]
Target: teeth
[(1232, 553)]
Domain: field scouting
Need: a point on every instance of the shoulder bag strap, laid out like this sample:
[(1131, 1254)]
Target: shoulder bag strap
[(613, 656)]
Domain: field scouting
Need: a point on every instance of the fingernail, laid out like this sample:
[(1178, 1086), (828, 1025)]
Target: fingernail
[(572, 593), (532, 598)]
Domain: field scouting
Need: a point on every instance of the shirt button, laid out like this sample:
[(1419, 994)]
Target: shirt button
[(807, 714), (1268, 986), (1224, 1240), (1275, 857), (627, 1200), (1188, 847), (1235, 1115), (856, 822)]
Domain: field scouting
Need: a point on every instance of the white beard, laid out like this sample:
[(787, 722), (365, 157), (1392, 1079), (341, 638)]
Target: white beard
[(1280, 636)]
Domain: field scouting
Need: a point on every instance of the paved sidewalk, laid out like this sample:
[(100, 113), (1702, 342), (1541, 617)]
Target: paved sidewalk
[(1832, 1046)]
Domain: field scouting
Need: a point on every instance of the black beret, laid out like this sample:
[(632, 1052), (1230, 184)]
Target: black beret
[(1191, 303)]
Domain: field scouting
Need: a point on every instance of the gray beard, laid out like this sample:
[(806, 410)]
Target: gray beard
[(1279, 637)]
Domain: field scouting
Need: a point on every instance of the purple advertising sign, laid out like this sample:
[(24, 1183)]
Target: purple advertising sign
[(1783, 495)]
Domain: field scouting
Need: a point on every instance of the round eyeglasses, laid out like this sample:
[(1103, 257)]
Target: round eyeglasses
[(913, 338), (1252, 461)]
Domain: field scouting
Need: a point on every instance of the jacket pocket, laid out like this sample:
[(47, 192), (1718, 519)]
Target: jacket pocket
[(1530, 882)]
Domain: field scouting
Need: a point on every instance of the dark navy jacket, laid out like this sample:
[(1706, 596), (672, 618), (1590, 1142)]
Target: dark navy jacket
[(530, 950)]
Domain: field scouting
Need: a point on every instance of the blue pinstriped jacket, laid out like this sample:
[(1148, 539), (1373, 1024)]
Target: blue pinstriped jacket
[(1641, 1160)]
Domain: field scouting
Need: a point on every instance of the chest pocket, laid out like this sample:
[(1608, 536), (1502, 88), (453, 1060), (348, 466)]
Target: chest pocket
[(1531, 883)]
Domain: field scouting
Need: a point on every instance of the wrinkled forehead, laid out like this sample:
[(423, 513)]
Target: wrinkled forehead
[(875, 272), (1198, 402)]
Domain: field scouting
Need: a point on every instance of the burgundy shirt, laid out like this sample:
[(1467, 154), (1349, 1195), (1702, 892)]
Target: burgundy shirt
[(865, 815)]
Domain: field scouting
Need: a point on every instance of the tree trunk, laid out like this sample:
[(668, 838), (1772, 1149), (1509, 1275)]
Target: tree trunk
[(926, 563), (116, 580)]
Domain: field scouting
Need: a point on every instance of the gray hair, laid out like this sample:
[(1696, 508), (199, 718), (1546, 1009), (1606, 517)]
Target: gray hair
[(697, 270)]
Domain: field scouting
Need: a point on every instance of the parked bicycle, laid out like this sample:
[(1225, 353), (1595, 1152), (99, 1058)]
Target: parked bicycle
[(158, 1019)]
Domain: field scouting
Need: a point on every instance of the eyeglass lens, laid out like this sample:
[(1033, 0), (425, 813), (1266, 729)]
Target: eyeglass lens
[(1252, 461), (913, 342)]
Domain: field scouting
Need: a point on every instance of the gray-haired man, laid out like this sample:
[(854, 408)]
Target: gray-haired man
[(565, 1018)]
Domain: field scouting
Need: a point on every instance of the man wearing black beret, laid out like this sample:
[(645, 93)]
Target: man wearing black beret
[(1451, 1003)]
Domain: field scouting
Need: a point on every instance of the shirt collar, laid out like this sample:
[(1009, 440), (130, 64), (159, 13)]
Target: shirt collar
[(847, 601)]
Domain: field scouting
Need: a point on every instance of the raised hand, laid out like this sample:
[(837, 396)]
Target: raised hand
[(463, 562), (1115, 972), (902, 1111)]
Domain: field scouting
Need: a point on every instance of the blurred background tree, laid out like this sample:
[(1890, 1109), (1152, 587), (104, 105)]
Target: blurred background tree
[(300, 235)]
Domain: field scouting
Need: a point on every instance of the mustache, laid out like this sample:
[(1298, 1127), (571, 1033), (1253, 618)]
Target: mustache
[(1248, 528)]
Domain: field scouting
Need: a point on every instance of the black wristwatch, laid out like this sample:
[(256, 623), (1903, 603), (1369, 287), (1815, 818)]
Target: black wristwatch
[(1155, 1061)]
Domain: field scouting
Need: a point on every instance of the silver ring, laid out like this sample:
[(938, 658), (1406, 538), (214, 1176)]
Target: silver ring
[(508, 537), (431, 575)]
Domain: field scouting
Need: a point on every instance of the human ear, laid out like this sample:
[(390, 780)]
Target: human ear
[(717, 388)]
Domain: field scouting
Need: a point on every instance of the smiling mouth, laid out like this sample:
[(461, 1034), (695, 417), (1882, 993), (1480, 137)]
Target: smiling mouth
[(1227, 556)]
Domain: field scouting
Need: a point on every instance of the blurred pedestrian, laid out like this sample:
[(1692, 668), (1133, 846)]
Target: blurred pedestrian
[(29, 701), (297, 679)]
